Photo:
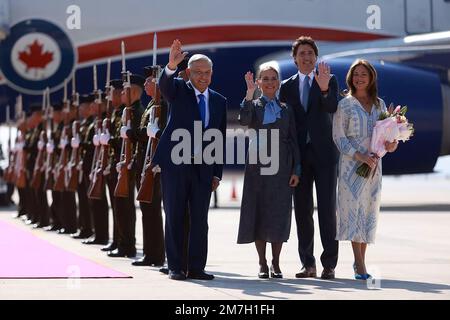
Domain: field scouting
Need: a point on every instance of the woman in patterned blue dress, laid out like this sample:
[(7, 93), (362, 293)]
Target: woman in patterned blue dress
[(358, 200)]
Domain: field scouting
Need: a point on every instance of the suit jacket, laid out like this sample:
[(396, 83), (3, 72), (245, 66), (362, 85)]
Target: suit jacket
[(184, 111), (318, 120)]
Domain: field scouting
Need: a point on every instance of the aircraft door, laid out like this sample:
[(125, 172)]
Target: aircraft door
[(418, 16)]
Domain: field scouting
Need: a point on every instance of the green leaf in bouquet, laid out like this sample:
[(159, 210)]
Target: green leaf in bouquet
[(403, 110), (384, 115)]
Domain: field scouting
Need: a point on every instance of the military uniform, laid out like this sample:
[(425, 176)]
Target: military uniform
[(84, 211), (30, 147), (152, 223), (55, 208), (68, 205), (115, 143), (125, 207), (99, 207), (40, 193), (36, 200)]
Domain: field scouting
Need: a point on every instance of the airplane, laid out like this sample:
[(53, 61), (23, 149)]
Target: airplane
[(44, 42)]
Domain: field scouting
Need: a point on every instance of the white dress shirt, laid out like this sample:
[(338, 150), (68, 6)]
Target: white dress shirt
[(301, 82)]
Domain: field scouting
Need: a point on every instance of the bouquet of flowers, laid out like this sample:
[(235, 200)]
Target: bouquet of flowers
[(392, 125)]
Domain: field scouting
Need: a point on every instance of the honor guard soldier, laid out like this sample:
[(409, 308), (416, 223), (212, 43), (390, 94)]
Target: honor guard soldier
[(125, 204), (54, 128), (84, 211), (37, 208), (114, 141), (99, 207), (152, 223)]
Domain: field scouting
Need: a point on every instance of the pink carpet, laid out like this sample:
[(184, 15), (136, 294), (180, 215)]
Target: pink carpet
[(24, 255)]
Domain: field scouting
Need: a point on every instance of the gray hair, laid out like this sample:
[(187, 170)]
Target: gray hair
[(198, 57)]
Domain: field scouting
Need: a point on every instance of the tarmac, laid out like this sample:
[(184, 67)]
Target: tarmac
[(410, 259)]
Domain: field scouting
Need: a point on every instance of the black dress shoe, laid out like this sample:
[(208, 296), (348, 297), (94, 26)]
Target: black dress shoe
[(29, 221), (82, 234), (263, 272), (68, 231), (110, 247), (94, 241), (327, 274), (274, 274), (202, 275), (164, 270), (118, 253), (145, 261), (142, 262), (307, 272), (52, 228), (177, 275)]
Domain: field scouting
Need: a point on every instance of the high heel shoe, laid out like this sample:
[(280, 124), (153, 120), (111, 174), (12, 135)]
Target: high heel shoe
[(362, 276), (273, 274), (263, 274)]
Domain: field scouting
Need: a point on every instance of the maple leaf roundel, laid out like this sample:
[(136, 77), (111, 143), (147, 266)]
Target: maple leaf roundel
[(37, 54)]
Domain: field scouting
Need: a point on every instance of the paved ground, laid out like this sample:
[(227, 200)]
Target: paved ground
[(410, 260)]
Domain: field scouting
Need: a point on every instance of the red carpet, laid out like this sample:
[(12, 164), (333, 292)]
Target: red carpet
[(23, 255)]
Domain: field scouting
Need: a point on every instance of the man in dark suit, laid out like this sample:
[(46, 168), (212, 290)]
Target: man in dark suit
[(314, 96), (191, 182)]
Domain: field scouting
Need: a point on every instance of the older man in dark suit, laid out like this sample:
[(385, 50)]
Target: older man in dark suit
[(191, 182), (314, 96)]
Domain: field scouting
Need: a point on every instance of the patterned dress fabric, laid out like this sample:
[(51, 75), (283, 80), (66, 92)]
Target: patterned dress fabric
[(358, 200)]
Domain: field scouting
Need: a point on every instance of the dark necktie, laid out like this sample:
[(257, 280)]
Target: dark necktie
[(202, 108), (305, 93)]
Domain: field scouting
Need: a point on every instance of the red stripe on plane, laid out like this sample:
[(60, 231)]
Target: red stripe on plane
[(203, 35)]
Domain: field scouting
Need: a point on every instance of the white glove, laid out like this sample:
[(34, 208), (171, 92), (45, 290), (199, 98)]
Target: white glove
[(119, 166), (75, 142), (63, 143), (50, 147), (107, 170), (96, 140), (156, 169), (104, 138), (18, 146), (40, 145), (152, 128), (123, 132)]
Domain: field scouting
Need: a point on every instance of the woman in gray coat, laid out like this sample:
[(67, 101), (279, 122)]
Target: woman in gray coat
[(268, 185)]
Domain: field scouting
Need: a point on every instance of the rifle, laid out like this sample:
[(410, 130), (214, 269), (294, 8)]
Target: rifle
[(63, 157), (20, 173), (122, 187), (36, 179), (145, 193), (49, 179), (71, 172), (97, 186), (72, 169), (7, 175)]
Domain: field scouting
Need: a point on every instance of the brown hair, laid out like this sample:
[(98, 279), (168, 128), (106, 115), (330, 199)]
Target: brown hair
[(304, 40), (372, 89)]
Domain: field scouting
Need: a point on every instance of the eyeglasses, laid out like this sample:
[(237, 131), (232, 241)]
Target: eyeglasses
[(200, 73), (265, 79)]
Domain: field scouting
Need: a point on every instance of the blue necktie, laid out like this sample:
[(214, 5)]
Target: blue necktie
[(202, 108), (305, 93)]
